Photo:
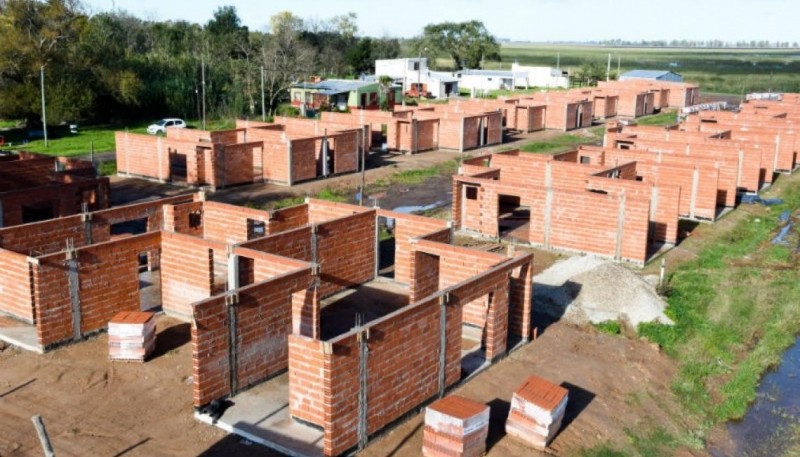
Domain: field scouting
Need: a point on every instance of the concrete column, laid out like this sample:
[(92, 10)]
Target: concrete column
[(233, 269), (695, 185), (620, 228), (443, 300), (739, 169), (777, 149), (289, 163), (74, 291), (548, 209)]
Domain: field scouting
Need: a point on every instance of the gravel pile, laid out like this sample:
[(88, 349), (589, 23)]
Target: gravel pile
[(588, 289)]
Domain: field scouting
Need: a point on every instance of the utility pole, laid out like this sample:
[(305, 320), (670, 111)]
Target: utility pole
[(608, 69), (203, 77), (619, 65), (263, 108), (44, 111), (558, 61)]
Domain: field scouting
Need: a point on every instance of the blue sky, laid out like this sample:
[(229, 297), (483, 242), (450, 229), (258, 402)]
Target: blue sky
[(533, 20)]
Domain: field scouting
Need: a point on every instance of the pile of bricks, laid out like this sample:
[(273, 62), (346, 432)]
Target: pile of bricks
[(537, 409), (131, 336), (455, 427)]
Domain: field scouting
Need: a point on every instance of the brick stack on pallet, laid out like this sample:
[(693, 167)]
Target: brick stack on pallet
[(537, 409), (455, 427), (131, 336)]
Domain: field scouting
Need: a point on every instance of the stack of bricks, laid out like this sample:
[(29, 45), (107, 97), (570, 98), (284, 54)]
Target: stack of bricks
[(131, 336), (537, 409), (455, 427)]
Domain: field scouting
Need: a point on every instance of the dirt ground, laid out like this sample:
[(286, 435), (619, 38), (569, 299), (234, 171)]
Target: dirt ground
[(94, 407)]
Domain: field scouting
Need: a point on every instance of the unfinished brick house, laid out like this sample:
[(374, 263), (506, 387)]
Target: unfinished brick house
[(564, 110), (516, 116), (401, 130), (311, 289), (750, 160), (65, 278), (463, 128), (313, 299), (276, 153), (680, 94), (564, 202), (35, 187)]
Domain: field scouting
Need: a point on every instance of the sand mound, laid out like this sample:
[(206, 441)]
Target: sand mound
[(587, 289)]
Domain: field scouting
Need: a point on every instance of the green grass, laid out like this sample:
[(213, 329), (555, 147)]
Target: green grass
[(564, 142), (609, 327), (4, 124), (414, 177), (665, 118), (108, 168), (735, 312), (503, 92), (63, 143)]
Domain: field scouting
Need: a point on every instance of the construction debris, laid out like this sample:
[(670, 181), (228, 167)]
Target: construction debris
[(131, 336), (537, 409), (455, 427)]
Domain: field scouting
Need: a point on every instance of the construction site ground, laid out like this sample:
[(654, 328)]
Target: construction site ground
[(92, 406)]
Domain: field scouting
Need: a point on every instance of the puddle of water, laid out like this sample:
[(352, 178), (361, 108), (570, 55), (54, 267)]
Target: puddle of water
[(770, 427), (416, 208)]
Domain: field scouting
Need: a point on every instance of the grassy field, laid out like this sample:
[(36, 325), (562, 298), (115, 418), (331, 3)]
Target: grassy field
[(729, 71), (63, 143), (565, 142)]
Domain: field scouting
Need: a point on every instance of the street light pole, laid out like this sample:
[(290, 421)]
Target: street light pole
[(203, 76), (263, 108), (44, 112)]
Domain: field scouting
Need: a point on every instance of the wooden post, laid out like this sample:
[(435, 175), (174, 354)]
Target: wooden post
[(43, 438)]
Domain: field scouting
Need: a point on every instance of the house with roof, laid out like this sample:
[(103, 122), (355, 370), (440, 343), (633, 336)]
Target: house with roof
[(487, 80), (529, 76), (416, 78), (655, 75), (340, 94)]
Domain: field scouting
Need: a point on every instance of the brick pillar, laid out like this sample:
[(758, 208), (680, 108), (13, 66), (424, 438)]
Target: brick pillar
[(306, 312), (497, 323)]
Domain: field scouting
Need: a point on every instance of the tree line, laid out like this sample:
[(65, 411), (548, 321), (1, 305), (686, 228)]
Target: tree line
[(745, 44), (114, 66)]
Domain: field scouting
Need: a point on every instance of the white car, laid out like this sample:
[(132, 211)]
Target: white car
[(161, 126)]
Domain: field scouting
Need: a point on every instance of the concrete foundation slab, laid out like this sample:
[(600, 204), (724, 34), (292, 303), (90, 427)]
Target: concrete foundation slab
[(19, 334), (261, 415), (370, 300)]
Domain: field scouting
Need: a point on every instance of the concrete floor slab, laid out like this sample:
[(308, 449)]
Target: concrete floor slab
[(370, 300), (19, 334), (261, 415)]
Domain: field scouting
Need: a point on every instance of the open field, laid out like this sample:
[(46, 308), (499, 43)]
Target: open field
[(731, 71)]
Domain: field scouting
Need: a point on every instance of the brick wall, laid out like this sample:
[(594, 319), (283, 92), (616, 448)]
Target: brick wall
[(346, 252), (229, 224), (263, 314), (108, 282), (187, 272), (406, 228), (15, 285)]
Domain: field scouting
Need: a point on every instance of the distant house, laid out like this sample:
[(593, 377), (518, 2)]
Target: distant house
[(485, 80), (416, 78), (656, 75), (540, 76), (340, 94)]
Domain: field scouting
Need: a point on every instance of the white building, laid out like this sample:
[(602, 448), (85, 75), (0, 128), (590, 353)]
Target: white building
[(657, 75), (415, 77), (540, 76), (486, 80)]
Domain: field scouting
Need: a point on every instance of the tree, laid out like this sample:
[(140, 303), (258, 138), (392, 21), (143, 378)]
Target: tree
[(589, 73), (36, 35), (360, 57), (286, 58), (385, 83), (467, 43)]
